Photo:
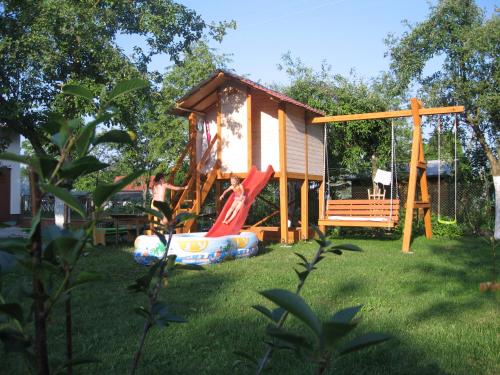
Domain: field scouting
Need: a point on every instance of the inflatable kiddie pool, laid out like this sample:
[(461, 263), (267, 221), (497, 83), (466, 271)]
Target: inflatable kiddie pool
[(195, 248)]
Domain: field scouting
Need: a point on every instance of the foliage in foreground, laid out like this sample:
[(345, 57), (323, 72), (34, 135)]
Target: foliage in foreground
[(327, 336), (49, 256)]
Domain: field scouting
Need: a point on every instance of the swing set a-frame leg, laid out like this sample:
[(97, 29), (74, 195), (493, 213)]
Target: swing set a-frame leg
[(417, 163)]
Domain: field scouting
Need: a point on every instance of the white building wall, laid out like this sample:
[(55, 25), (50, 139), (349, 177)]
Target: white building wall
[(234, 129), (295, 139), (210, 119), (15, 176)]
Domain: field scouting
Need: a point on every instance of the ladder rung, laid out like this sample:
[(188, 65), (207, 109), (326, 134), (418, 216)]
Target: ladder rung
[(422, 165), (421, 204)]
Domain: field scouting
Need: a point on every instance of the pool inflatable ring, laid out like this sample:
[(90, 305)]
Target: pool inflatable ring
[(195, 248)]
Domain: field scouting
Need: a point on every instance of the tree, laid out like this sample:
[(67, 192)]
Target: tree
[(161, 136), (457, 33), (358, 145), (44, 44)]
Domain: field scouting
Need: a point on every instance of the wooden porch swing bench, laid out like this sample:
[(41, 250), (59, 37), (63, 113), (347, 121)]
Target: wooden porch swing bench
[(375, 213)]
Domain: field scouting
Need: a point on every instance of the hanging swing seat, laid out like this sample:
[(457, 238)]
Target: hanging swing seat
[(361, 213)]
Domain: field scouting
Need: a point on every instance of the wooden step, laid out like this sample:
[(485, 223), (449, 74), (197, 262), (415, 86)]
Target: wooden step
[(421, 204), (422, 165)]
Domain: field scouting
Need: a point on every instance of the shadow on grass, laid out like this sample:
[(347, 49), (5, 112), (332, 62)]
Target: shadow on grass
[(462, 265), (217, 304)]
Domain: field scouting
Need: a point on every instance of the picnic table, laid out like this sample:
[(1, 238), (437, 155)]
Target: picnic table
[(120, 220)]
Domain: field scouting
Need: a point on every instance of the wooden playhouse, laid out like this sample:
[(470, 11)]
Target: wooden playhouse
[(235, 123)]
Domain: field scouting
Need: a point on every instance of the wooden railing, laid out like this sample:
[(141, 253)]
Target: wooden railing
[(192, 177), (177, 166)]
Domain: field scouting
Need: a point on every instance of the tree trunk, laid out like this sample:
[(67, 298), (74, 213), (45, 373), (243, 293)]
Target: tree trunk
[(41, 353), (496, 182)]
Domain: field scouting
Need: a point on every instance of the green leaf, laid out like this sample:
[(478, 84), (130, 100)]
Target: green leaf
[(14, 157), (323, 243), (114, 136), (335, 251), (165, 209), (14, 340), (346, 315), (141, 311), (7, 262), (346, 247), (333, 332), (277, 313), (126, 86), (320, 234), (44, 165), (81, 167), (35, 221), (66, 197), (13, 310), (302, 257), (162, 315), (103, 192), (86, 277), (363, 341), (87, 133), (54, 123), (295, 341), (263, 310), (150, 211), (296, 306), (77, 90), (183, 217), (302, 275), (12, 245), (65, 247)]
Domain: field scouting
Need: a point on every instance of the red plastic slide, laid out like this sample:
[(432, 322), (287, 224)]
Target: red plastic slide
[(253, 185)]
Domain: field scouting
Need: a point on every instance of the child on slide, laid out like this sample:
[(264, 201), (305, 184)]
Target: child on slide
[(239, 199)]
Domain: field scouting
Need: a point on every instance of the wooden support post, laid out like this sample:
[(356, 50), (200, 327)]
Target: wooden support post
[(193, 162), (218, 192), (192, 138), (424, 190), (249, 130), (417, 159), (321, 204), (304, 191), (219, 132), (283, 177), (304, 209)]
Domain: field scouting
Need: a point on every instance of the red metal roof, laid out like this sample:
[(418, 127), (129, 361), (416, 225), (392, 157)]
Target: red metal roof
[(137, 185), (253, 85)]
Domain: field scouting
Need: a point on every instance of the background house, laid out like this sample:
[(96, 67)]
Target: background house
[(10, 182)]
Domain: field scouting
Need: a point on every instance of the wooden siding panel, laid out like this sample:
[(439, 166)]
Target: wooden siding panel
[(295, 138), (265, 132), (315, 137)]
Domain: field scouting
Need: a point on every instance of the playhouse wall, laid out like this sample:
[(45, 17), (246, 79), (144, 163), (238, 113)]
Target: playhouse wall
[(202, 139), (265, 132), (234, 129), (315, 149), (295, 139)]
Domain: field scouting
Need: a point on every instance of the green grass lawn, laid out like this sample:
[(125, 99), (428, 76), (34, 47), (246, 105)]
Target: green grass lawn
[(428, 301)]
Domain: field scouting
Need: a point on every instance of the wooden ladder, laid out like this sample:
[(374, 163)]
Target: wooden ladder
[(196, 193)]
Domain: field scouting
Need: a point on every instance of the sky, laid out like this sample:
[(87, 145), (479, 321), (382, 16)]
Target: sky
[(347, 34)]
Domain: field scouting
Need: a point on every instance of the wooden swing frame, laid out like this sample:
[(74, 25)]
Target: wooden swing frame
[(417, 163)]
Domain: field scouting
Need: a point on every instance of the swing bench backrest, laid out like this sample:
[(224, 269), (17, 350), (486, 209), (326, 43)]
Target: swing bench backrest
[(362, 213)]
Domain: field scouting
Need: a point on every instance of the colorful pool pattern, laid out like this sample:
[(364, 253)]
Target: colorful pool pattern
[(195, 248)]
